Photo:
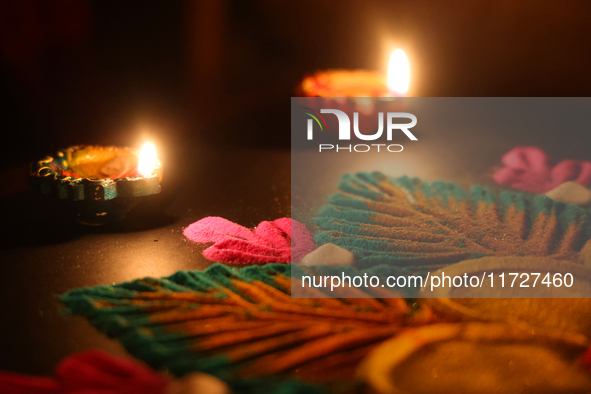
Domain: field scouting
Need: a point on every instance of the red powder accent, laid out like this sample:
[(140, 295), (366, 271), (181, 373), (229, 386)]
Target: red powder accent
[(528, 168), (280, 241), (68, 173), (90, 372), (586, 360)]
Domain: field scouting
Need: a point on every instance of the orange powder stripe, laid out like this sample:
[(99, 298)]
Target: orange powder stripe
[(341, 365), (542, 236), (213, 326), (273, 344), (272, 364), (251, 292), (571, 240), (233, 338), (489, 219), (515, 223), (393, 305), (368, 303), (350, 315), (394, 221), (284, 282), (391, 209), (272, 294), (406, 233), (420, 197), (392, 191), (316, 297), (235, 299), (176, 316), (336, 321), (194, 313), (262, 294), (209, 297)]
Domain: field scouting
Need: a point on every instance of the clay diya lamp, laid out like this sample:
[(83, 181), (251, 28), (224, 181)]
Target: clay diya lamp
[(480, 358), (99, 184), (354, 90), (361, 91)]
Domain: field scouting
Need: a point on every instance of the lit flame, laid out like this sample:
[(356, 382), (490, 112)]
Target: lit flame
[(148, 159), (398, 73)]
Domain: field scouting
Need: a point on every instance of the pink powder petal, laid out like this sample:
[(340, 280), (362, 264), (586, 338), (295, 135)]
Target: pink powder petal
[(234, 257), (269, 242), (507, 176), (584, 177), (529, 158), (565, 171), (215, 229), (285, 224), (241, 253), (528, 168), (245, 246), (273, 235), (572, 170)]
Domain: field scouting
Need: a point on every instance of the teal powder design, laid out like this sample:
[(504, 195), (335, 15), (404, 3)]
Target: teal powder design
[(409, 222), (154, 319)]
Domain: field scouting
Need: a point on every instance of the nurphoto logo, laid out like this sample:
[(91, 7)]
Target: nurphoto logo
[(392, 119)]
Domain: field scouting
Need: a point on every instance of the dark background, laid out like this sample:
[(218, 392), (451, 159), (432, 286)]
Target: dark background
[(76, 71), (210, 81)]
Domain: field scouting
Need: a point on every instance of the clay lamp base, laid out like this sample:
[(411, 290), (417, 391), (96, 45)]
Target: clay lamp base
[(99, 184)]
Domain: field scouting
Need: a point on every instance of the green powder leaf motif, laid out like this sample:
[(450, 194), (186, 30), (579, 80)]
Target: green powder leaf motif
[(407, 221), (242, 325)]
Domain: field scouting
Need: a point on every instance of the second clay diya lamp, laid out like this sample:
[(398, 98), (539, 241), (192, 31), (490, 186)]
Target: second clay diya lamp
[(359, 86), (345, 83), (359, 91), (100, 184)]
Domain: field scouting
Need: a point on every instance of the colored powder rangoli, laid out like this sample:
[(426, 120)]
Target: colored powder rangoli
[(404, 221), (280, 241), (242, 325), (528, 168)]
